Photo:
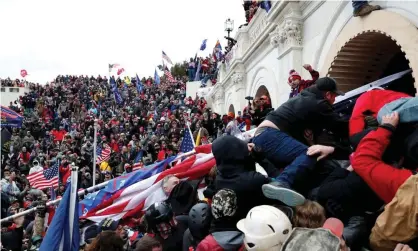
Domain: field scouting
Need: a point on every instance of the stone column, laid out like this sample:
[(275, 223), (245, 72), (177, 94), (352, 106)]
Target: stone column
[(219, 99), (239, 88), (287, 39)]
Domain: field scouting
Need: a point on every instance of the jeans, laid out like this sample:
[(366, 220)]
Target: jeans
[(406, 107), (192, 73), (279, 148), (358, 4)]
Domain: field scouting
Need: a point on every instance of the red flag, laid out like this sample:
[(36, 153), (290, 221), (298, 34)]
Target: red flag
[(23, 73), (120, 71)]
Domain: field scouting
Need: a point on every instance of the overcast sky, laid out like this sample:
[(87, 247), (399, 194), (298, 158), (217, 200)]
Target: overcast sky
[(50, 37)]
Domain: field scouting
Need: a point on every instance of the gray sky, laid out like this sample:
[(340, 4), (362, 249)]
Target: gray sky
[(51, 37)]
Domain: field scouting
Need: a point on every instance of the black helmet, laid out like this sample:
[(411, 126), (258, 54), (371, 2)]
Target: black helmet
[(159, 212), (200, 217)]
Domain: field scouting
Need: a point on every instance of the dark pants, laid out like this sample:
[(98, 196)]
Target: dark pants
[(358, 4), (279, 148)]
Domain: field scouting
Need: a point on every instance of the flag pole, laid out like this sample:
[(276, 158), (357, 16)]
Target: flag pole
[(81, 192), (73, 197), (191, 135), (95, 151)]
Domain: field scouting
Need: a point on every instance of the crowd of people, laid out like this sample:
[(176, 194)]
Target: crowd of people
[(147, 126), (327, 179), (328, 183), (202, 69), (14, 83)]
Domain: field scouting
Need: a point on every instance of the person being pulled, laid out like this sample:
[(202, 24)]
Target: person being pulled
[(297, 84), (278, 138), (162, 224)]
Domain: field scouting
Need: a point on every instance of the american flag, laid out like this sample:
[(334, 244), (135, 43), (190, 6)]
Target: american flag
[(46, 178), (103, 154), (111, 66), (138, 161), (167, 58), (136, 198), (169, 76), (187, 144)]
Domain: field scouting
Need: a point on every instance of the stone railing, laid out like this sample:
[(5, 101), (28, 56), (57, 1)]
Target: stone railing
[(257, 25), (229, 57)]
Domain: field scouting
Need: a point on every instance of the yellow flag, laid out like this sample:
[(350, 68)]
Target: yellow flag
[(127, 80), (198, 137)]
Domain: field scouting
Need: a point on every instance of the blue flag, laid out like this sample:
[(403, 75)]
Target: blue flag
[(112, 83), (118, 97), (138, 84), (59, 235), (266, 5), (92, 200), (139, 156), (203, 45), (156, 78)]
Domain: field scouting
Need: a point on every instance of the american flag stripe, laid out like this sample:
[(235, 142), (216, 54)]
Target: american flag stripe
[(169, 76), (138, 197), (137, 166), (104, 156), (45, 179)]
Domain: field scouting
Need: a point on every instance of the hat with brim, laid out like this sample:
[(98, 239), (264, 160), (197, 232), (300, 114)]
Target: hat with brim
[(328, 84), (183, 196)]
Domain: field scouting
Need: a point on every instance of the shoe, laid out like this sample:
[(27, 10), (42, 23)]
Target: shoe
[(282, 192), (365, 10)]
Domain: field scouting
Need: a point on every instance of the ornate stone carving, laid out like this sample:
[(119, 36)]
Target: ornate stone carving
[(219, 96), (237, 78), (287, 34), (293, 31)]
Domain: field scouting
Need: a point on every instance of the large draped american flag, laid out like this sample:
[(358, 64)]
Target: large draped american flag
[(136, 198)]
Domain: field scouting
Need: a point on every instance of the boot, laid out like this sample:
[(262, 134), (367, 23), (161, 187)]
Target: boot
[(365, 10)]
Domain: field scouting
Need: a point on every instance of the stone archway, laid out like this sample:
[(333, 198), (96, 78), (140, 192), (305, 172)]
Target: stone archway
[(263, 80), (367, 57), (365, 48), (262, 90), (231, 108)]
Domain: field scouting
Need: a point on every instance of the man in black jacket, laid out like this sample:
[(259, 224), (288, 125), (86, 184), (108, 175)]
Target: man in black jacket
[(236, 171), (279, 136)]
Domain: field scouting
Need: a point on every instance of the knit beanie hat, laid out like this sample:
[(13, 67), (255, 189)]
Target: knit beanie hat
[(293, 75), (224, 203)]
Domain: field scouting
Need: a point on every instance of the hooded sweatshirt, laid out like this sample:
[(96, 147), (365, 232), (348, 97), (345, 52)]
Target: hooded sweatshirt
[(236, 171)]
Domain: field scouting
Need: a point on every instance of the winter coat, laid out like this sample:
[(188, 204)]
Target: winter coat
[(222, 241), (371, 102), (236, 171), (308, 110), (367, 162)]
